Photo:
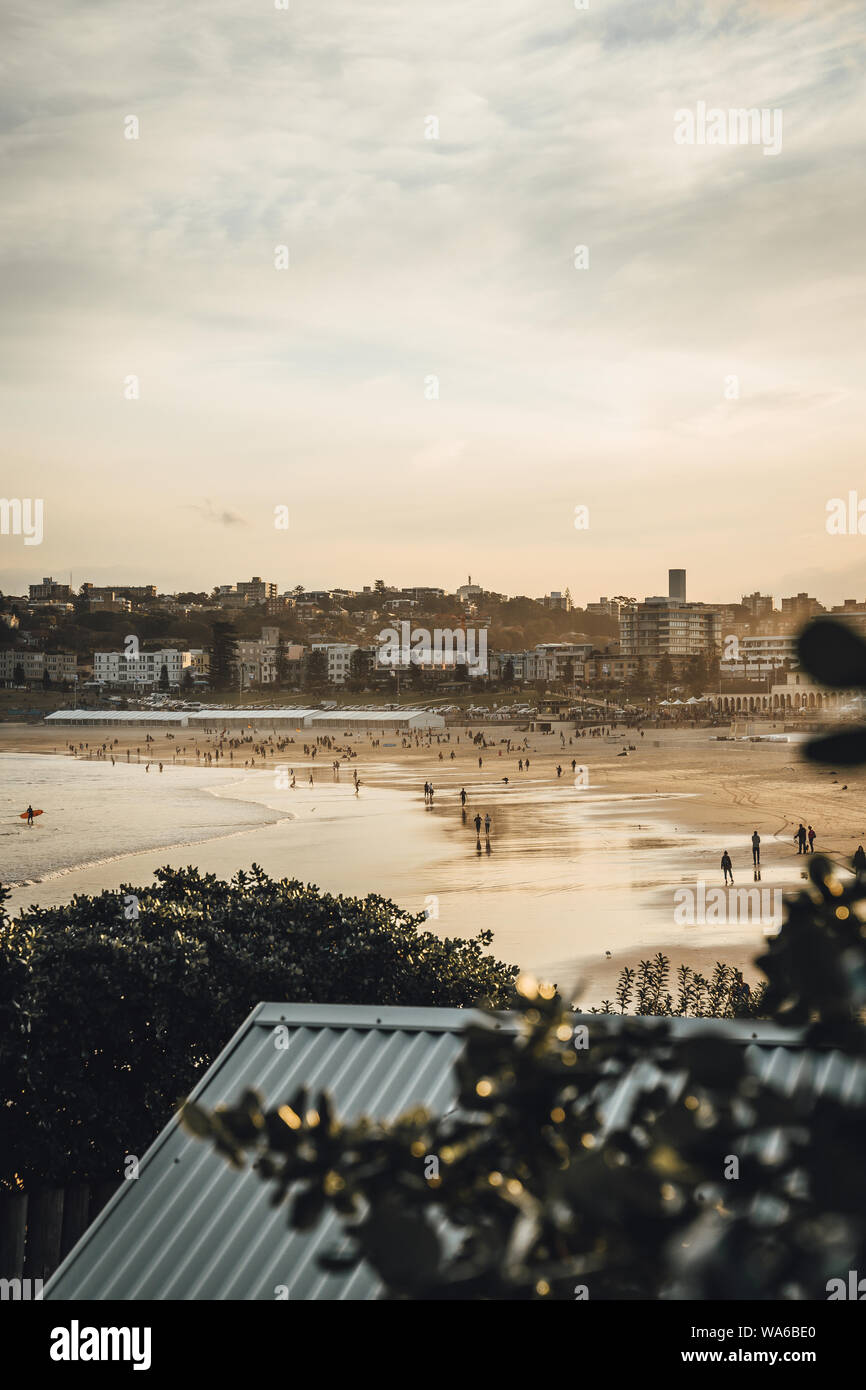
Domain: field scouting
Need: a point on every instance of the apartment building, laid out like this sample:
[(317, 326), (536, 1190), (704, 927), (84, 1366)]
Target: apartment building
[(143, 671), (256, 658), (669, 627), (339, 658), (60, 666), (50, 589), (758, 657)]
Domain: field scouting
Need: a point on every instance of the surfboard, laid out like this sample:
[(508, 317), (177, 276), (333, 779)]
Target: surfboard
[(23, 815)]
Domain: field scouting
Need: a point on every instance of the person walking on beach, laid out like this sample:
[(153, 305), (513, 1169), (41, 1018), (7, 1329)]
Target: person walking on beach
[(859, 860), (29, 814), (800, 837), (462, 796), (811, 840), (478, 824), (756, 849), (727, 867), (487, 826)]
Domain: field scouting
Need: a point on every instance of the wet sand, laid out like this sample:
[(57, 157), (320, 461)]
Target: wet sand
[(569, 875)]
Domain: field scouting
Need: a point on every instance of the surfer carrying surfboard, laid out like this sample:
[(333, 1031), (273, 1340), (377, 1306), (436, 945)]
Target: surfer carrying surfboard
[(29, 814)]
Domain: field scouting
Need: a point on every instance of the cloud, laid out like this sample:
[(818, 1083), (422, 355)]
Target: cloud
[(412, 257), (208, 512)]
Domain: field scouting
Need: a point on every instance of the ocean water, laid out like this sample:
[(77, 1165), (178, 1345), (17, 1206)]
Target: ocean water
[(95, 813)]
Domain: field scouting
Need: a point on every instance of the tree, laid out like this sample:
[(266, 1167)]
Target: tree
[(282, 661), (163, 677), (151, 981), (316, 673), (18, 676), (187, 681), (223, 654), (508, 673), (359, 665), (665, 671), (46, 679)]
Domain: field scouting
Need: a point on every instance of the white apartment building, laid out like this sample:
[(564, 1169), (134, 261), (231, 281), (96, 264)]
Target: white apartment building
[(758, 657), (339, 657), (116, 668)]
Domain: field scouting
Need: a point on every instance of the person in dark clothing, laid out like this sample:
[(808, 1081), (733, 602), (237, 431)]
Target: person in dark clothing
[(478, 823), (29, 814), (462, 796), (811, 837), (800, 837), (756, 848), (859, 860), (727, 866)]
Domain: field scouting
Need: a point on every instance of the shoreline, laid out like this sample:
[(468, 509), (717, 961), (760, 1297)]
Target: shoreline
[(605, 870)]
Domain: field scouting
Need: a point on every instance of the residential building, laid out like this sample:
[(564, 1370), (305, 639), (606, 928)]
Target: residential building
[(61, 666), (339, 657), (669, 627), (801, 607), (109, 603), (136, 593), (758, 605), (256, 590), (50, 589), (256, 658), (606, 607), (143, 671), (758, 657), (556, 599)]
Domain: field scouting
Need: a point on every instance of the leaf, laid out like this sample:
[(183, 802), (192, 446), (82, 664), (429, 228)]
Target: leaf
[(196, 1121), (833, 653), (844, 749)]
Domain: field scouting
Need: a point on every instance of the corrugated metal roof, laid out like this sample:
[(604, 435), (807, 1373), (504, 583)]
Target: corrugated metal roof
[(190, 1227)]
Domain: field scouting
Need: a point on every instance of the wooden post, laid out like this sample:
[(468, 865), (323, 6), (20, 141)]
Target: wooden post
[(13, 1224), (44, 1227), (76, 1214)]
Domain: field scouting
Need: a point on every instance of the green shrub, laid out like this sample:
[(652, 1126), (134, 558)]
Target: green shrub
[(107, 1021)]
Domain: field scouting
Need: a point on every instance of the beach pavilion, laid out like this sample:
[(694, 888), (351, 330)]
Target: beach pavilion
[(223, 718)]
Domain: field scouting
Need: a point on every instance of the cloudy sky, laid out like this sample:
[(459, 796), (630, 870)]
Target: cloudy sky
[(453, 258)]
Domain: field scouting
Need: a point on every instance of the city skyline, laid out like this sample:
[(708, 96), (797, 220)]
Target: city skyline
[(662, 591)]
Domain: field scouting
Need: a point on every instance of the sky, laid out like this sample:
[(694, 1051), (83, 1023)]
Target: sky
[(433, 385)]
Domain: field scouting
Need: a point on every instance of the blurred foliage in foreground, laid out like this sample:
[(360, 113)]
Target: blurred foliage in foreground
[(607, 1170), (111, 1006)]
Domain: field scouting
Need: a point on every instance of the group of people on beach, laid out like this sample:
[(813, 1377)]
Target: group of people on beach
[(804, 839)]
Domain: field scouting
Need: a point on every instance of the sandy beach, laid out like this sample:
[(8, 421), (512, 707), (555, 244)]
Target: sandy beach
[(574, 881)]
